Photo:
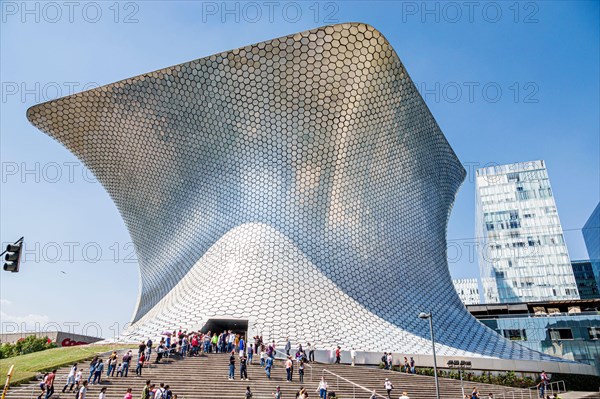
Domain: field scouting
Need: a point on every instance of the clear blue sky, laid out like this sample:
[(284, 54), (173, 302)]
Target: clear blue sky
[(542, 57)]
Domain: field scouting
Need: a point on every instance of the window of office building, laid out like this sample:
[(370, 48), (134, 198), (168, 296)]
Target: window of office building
[(594, 332), (515, 335), (561, 333)]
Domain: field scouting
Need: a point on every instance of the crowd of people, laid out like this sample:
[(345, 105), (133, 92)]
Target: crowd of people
[(183, 344), (388, 362)]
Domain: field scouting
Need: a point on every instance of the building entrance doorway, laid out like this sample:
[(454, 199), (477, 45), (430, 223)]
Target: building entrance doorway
[(236, 326)]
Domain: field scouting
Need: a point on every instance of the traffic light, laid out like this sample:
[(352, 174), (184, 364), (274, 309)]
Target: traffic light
[(13, 256)]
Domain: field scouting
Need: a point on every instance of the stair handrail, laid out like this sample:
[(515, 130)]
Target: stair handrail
[(550, 386), (353, 383)]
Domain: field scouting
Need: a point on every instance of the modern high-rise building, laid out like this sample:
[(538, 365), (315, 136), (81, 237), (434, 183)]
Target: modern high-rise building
[(467, 290), (591, 234), (522, 251)]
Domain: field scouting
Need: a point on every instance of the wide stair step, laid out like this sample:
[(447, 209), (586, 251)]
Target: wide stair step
[(206, 377)]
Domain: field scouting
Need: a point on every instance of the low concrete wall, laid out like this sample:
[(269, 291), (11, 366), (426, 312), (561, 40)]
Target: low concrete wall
[(58, 337), (478, 363)]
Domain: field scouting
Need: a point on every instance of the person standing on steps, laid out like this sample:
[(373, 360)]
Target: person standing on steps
[(140, 365), (412, 365), (248, 394), (288, 369), (71, 378), (126, 363), (353, 356), (268, 365), (301, 370), (373, 395), (231, 366), (288, 346), (128, 394), (92, 367), (98, 372), (311, 353), (146, 391), (277, 393), (102, 394), (83, 390), (388, 386), (322, 389), (78, 377), (243, 368), (250, 353), (338, 355), (384, 359), (50, 384)]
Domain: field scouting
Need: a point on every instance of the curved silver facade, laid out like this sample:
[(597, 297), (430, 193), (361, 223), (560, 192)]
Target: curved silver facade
[(300, 183)]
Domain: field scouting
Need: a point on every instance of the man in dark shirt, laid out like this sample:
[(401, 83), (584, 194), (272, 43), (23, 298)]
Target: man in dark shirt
[(243, 370), (231, 366), (126, 363)]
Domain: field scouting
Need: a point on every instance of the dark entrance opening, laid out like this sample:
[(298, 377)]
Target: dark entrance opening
[(219, 325)]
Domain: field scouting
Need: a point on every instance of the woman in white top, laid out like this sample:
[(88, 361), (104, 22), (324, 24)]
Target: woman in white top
[(71, 378), (102, 394), (322, 390), (387, 384)]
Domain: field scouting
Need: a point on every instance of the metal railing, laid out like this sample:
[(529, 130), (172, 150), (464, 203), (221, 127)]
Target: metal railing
[(353, 384), (553, 388)]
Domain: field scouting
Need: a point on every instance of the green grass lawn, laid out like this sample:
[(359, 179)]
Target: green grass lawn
[(27, 366)]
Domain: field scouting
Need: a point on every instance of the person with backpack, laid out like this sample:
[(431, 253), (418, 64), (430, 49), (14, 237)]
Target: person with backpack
[(277, 393), (168, 393), (160, 392), (384, 360)]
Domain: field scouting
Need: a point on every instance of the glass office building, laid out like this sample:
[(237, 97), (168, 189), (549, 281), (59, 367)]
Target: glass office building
[(566, 329), (467, 290), (591, 235), (585, 272), (522, 252)]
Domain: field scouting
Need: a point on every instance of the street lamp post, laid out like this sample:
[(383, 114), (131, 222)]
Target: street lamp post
[(429, 316)]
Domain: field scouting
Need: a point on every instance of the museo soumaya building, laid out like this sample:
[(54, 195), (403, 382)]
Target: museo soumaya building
[(297, 187)]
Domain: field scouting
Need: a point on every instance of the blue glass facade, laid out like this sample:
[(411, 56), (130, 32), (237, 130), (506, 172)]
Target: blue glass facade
[(591, 235), (575, 337), (585, 272)]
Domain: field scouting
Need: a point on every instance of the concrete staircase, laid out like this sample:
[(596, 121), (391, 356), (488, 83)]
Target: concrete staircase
[(206, 377)]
